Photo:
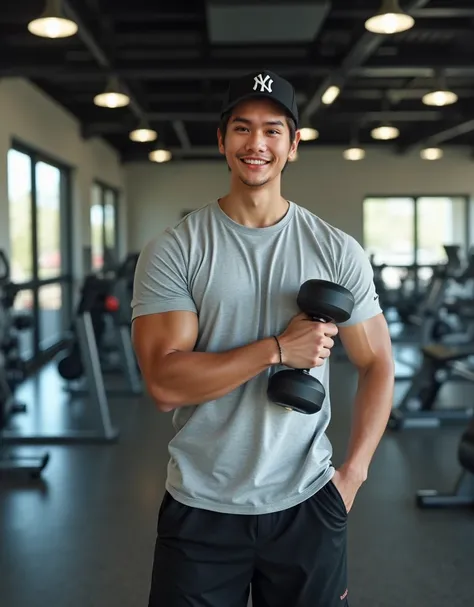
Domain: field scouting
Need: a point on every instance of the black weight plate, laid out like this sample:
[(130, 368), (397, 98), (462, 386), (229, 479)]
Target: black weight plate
[(325, 300), (297, 390)]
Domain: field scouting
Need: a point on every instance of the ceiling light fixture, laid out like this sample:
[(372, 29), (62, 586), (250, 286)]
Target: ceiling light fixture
[(331, 94), (385, 132), (142, 135), (431, 153), (440, 98), (390, 19), (52, 23), (308, 134), (112, 97), (440, 95), (160, 156), (354, 153)]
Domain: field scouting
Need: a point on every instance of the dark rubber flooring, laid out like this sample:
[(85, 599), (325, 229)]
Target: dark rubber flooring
[(84, 535)]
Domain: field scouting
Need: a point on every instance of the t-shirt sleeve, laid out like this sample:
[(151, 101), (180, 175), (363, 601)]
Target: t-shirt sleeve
[(356, 274), (160, 282)]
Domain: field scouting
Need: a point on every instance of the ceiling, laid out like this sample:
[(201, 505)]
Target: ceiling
[(175, 60)]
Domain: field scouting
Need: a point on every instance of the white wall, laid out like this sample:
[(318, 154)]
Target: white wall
[(321, 180), (34, 119)]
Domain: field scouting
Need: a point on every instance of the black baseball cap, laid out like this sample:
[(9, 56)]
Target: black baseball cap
[(262, 83)]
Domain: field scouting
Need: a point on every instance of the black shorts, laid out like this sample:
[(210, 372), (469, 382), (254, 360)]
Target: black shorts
[(292, 558)]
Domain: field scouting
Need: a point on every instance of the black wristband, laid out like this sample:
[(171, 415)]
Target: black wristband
[(279, 348)]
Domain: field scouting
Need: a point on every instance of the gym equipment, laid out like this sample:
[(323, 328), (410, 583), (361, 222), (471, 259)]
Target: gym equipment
[(12, 464), (413, 300), (416, 409), (296, 389), (11, 323), (87, 322), (440, 317), (463, 493), (103, 306), (429, 316), (453, 256)]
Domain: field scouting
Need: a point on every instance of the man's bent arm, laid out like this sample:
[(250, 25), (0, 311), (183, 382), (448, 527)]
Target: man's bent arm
[(368, 346), (209, 376), (176, 376)]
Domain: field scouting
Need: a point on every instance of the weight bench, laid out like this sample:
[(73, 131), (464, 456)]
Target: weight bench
[(416, 409)]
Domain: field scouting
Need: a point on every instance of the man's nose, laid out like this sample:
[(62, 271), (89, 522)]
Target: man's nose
[(256, 141)]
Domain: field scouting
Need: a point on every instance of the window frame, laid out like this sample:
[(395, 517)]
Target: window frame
[(65, 278), (467, 200)]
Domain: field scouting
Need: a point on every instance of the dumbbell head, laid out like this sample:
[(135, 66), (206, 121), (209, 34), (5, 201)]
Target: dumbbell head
[(325, 300), (299, 392)]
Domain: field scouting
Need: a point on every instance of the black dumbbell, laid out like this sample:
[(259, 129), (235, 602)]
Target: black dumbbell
[(21, 322), (296, 389)]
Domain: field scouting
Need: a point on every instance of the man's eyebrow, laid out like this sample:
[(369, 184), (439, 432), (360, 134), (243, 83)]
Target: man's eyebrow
[(247, 121)]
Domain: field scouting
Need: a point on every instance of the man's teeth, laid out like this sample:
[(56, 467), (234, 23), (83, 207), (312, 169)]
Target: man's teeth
[(255, 161)]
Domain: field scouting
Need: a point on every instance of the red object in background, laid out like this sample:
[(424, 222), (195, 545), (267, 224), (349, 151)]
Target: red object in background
[(111, 304)]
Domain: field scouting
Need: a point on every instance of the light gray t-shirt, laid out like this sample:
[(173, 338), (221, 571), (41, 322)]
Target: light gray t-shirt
[(243, 454)]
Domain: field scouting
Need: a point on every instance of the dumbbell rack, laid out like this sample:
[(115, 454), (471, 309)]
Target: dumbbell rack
[(11, 463)]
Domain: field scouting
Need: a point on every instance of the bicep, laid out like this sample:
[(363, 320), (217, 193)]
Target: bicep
[(154, 336), (367, 342)]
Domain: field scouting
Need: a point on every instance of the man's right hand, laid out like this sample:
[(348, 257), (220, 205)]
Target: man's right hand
[(306, 343)]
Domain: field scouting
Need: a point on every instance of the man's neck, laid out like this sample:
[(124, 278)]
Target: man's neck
[(254, 207)]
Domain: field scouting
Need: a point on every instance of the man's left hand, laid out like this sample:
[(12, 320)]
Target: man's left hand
[(348, 483)]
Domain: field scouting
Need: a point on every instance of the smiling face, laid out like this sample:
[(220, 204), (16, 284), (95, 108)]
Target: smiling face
[(257, 142)]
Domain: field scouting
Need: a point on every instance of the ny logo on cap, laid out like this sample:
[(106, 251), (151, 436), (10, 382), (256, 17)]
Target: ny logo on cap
[(263, 83)]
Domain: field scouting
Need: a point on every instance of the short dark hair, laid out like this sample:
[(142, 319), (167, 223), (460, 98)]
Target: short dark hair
[(224, 121)]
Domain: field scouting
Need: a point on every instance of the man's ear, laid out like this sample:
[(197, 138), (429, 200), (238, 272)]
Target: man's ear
[(220, 141), (294, 146)]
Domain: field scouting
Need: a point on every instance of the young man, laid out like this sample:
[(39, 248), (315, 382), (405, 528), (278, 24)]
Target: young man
[(252, 499)]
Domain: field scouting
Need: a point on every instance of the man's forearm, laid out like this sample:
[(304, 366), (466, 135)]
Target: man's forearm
[(193, 378), (372, 407)]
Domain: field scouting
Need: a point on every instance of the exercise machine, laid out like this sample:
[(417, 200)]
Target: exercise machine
[(86, 324), (440, 363), (430, 317), (111, 333), (441, 317), (463, 492)]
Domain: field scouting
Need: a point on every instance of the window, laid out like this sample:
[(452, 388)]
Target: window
[(21, 216), (412, 231), (104, 225), (40, 245), (48, 210)]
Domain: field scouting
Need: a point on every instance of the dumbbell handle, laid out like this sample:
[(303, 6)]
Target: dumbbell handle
[(316, 319), (320, 319)]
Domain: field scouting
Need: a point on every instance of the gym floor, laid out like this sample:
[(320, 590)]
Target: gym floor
[(85, 534)]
